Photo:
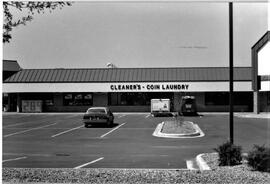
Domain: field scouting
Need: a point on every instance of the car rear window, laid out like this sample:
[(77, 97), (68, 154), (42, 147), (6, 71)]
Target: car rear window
[(189, 101), (101, 111)]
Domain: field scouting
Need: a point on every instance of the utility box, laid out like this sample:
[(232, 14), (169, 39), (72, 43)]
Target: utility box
[(160, 107), (31, 105)]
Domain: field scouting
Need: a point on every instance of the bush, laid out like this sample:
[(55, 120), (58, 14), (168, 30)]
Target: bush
[(259, 158), (229, 154)]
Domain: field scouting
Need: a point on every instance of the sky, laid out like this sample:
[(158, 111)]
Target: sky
[(132, 34)]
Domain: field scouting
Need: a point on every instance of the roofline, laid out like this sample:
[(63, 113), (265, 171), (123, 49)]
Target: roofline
[(265, 34), (120, 81), (10, 60), (14, 61), (131, 68)]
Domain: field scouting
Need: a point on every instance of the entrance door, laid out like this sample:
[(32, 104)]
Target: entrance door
[(12, 98)]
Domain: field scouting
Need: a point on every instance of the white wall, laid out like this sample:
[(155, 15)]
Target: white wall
[(264, 60)]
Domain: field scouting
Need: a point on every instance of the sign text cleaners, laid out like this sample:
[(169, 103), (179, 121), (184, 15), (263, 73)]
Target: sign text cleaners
[(149, 87)]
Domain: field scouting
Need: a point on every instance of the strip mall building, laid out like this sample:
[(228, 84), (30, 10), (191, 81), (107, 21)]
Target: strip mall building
[(131, 89)]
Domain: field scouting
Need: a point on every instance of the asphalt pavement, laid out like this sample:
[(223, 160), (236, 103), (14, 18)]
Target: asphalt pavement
[(61, 141)]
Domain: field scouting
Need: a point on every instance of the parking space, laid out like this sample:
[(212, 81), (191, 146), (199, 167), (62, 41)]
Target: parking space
[(61, 140)]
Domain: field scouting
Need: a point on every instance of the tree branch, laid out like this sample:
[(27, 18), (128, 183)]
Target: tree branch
[(32, 7)]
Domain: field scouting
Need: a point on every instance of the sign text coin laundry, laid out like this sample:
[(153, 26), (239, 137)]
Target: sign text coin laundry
[(148, 87)]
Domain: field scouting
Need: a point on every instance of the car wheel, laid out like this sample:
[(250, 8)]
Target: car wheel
[(85, 125)]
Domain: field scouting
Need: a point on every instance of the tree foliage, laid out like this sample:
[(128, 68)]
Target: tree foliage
[(27, 7)]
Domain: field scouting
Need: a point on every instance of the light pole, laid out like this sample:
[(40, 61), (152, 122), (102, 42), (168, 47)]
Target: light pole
[(231, 67)]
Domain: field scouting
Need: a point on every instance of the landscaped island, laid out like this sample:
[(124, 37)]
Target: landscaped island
[(177, 127)]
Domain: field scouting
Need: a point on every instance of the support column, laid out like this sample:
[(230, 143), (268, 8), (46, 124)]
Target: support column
[(177, 101), (256, 102), (19, 109)]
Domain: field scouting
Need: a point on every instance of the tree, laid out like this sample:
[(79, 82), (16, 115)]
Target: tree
[(29, 8)]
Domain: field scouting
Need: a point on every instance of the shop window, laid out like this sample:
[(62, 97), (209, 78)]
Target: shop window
[(48, 102), (46, 98), (243, 98), (123, 99), (134, 99), (68, 100), (88, 99), (113, 99), (78, 99), (217, 98), (222, 98)]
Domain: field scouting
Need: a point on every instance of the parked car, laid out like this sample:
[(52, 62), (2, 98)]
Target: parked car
[(189, 106), (98, 115)]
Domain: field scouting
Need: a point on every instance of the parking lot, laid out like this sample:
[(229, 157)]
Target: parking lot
[(62, 141)]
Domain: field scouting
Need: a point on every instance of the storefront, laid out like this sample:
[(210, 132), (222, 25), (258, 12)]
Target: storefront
[(127, 89)]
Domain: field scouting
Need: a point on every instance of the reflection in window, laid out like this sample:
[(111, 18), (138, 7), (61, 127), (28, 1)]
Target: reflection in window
[(78, 99), (88, 99), (128, 99), (48, 102), (135, 99), (222, 98)]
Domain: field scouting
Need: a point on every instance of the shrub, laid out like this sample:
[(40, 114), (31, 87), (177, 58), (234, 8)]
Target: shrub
[(229, 154), (259, 158)]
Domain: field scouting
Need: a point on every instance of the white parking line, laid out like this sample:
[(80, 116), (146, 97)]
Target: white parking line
[(23, 123), (13, 125), (121, 116), (66, 131), (147, 116), (20, 132), (8, 160), (34, 121), (112, 130), (94, 161)]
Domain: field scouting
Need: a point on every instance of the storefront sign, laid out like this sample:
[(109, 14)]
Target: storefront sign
[(149, 87), (126, 87)]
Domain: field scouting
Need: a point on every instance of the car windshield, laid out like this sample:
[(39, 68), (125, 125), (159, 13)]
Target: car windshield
[(100, 111)]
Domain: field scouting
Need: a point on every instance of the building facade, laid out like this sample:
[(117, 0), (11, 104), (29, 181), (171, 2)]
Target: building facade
[(128, 89)]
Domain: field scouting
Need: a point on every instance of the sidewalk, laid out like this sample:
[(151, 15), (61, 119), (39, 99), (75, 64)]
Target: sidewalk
[(262, 115)]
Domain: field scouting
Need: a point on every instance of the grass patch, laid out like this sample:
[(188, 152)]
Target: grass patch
[(178, 127)]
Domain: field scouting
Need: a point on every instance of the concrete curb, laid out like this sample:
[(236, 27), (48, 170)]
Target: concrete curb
[(262, 115), (158, 133), (201, 163)]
